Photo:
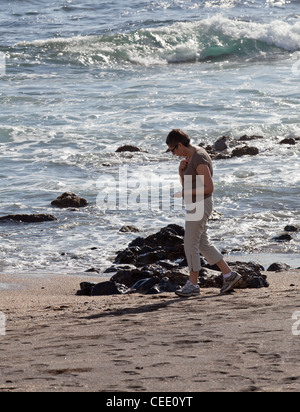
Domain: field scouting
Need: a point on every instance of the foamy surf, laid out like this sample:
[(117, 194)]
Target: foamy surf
[(217, 37)]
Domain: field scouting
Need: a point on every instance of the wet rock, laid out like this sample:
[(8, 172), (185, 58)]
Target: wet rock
[(245, 151), (144, 285), (129, 229), (291, 228), (252, 276), (247, 268), (222, 143), (168, 264), (158, 264), (128, 148), (166, 244), (278, 267), (127, 256), (147, 286), (151, 257), (69, 199), (285, 237), (221, 156), (36, 218), (101, 289), (210, 279), (129, 277), (247, 138), (288, 140), (92, 270)]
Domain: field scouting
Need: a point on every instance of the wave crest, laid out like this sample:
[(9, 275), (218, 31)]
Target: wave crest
[(209, 39)]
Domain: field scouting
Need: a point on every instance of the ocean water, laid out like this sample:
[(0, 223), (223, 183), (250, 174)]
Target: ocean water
[(78, 79)]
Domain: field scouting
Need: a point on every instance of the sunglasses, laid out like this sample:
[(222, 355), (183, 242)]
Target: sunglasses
[(174, 148)]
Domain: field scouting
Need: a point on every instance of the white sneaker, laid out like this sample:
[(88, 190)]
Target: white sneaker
[(188, 290), (230, 282)]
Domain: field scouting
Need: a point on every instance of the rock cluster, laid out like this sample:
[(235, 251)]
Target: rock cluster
[(69, 199), (157, 264), (66, 200)]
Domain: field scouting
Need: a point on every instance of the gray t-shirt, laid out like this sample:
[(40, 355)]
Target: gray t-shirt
[(200, 157)]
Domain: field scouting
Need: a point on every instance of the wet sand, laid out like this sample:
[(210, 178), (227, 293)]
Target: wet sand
[(58, 342)]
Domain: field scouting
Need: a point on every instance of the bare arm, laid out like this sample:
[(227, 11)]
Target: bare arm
[(207, 182), (204, 172)]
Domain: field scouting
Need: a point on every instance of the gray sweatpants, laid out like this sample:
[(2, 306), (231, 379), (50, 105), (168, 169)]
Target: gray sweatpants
[(196, 240)]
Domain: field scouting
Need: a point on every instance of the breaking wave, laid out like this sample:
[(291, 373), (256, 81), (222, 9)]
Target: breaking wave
[(211, 39)]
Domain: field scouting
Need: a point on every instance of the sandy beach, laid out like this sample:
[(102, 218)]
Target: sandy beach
[(58, 342)]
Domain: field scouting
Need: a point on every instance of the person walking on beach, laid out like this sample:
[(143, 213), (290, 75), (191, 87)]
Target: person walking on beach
[(197, 162)]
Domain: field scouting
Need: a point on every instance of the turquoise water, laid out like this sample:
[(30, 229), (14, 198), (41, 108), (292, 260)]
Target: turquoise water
[(83, 78)]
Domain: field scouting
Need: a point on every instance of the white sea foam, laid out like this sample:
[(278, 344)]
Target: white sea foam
[(177, 43)]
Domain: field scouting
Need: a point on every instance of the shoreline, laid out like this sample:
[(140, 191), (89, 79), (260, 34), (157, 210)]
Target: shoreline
[(58, 342)]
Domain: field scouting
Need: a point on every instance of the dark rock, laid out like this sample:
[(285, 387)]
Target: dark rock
[(247, 268), (221, 156), (109, 288), (168, 264), (251, 276), (128, 148), (245, 151), (210, 279), (166, 285), (247, 138), (92, 270), (170, 239), (139, 241), (101, 289), (127, 256), (166, 244), (129, 277), (151, 257), (144, 285), (222, 144), (69, 200), (285, 237), (112, 269), (278, 267), (129, 229), (152, 285), (288, 140), (291, 228), (38, 218)]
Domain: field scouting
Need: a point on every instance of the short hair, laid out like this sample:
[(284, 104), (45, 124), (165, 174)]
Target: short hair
[(178, 136)]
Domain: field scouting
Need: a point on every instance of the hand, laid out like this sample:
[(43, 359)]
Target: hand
[(183, 165)]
